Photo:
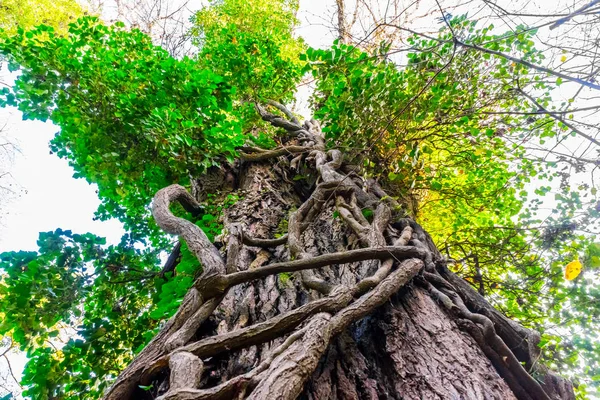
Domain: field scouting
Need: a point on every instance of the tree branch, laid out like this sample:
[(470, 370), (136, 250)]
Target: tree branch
[(196, 239), (559, 118), (266, 154), (172, 261), (284, 110), (217, 284), (528, 64), (574, 14), (264, 242)]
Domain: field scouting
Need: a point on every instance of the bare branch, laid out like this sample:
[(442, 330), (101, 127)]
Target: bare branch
[(10, 370), (575, 13), (541, 112), (528, 64), (172, 261), (264, 242), (266, 154), (560, 119)]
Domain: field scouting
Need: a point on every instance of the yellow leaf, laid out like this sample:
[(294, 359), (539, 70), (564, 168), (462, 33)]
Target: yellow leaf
[(563, 59), (572, 270)]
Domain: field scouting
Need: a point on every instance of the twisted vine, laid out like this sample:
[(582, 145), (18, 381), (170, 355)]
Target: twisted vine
[(311, 326)]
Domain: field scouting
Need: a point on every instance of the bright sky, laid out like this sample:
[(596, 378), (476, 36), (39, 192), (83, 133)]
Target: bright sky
[(50, 197)]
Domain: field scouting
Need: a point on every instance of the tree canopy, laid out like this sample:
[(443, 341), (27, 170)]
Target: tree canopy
[(446, 128)]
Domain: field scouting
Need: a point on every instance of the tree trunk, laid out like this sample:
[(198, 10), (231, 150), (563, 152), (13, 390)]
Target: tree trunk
[(343, 307), (407, 349)]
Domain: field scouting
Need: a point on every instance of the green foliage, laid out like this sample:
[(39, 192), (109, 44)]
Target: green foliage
[(210, 222), (284, 278), (424, 127), (29, 13), (133, 119), (39, 290), (81, 310), (250, 43), (76, 306), (121, 101)]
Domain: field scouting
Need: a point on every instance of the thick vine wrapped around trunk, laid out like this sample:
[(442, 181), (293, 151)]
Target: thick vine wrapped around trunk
[(341, 307)]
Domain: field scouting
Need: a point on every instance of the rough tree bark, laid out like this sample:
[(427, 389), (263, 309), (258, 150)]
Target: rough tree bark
[(340, 307)]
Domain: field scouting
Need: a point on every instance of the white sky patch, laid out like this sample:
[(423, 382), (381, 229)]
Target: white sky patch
[(51, 198)]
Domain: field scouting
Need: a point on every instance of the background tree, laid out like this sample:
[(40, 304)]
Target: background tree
[(9, 188), (440, 140), (166, 22), (27, 14)]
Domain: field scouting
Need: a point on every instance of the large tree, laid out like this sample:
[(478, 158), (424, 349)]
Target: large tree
[(301, 270)]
